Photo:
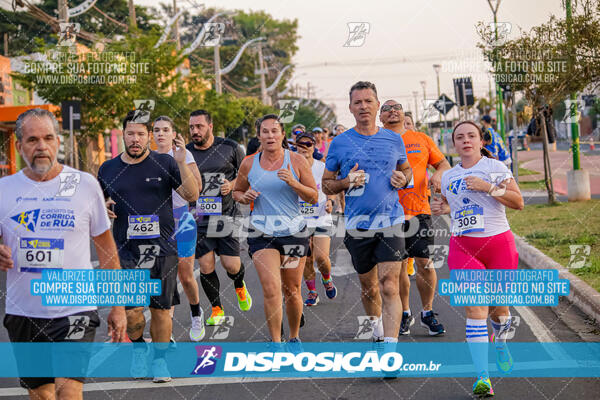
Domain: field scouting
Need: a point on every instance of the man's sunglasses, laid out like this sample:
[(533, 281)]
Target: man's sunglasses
[(305, 145), (388, 107), (298, 132)]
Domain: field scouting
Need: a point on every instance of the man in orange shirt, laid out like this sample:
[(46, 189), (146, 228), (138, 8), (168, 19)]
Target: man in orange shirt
[(421, 152)]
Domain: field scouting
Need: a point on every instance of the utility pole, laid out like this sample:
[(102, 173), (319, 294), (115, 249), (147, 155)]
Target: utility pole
[(262, 71), (217, 59), (132, 18), (437, 68), (415, 94), (5, 44), (177, 39), (63, 11)]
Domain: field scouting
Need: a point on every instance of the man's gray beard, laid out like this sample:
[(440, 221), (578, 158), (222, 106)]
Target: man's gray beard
[(40, 170)]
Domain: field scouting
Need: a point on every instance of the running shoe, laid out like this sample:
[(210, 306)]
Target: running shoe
[(431, 323), (407, 321), (294, 346), (312, 299), (160, 371), (330, 289), (217, 316), (197, 331), (483, 387), (139, 361), (410, 269), (244, 298), (504, 360)]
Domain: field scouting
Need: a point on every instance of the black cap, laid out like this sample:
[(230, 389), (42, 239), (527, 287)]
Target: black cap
[(306, 135)]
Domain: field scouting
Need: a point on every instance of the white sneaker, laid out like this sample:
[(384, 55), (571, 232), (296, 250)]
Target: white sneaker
[(197, 330), (139, 362), (160, 371)]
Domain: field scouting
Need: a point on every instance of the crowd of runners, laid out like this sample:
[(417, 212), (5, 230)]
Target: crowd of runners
[(170, 207)]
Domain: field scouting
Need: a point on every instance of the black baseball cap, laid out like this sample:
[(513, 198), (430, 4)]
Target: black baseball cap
[(308, 135)]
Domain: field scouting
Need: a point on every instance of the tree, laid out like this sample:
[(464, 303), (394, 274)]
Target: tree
[(547, 67), (108, 82), (278, 50), (107, 18), (306, 116)]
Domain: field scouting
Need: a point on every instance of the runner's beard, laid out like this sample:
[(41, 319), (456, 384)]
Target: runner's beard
[(200, 142), (40, 169), (144, 150)]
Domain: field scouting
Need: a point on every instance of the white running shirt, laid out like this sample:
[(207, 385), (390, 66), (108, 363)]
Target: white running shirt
[(62, 213), (475, 213), (315, 214), (179, 201)]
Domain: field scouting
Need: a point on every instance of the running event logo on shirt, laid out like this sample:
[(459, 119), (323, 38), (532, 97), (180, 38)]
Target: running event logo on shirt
[(455, 186), (27, 219), (207, 359), (69, 181)]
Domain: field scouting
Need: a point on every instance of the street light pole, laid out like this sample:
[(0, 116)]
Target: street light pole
[(217, 60), (423, 85), (499, 96), (574, 124), (415, 94), (437, 68)]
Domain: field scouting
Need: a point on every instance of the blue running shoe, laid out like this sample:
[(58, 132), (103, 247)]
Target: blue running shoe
[(330, 289), (430, 322), (312, 299), (504, 360)]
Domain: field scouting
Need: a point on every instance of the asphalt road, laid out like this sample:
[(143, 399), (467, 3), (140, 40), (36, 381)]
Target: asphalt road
[(337, 320)]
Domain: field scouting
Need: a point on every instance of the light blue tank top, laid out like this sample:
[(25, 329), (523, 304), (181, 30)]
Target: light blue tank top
[(276, 210)]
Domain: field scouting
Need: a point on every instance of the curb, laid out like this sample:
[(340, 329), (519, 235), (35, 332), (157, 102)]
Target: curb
[(581, 294)]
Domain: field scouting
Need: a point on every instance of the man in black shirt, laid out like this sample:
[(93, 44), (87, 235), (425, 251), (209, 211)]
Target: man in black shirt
[(218, 160), (139, 184)]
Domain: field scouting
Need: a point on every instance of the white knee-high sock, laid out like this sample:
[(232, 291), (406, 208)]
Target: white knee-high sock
[(477, 337)]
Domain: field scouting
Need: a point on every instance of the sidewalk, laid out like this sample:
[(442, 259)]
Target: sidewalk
[(561, 161)]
